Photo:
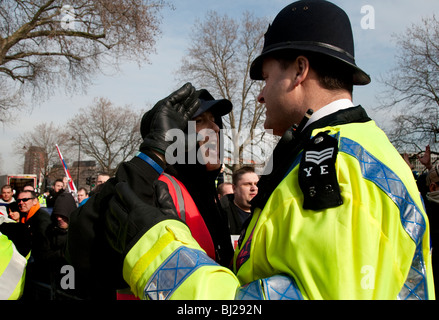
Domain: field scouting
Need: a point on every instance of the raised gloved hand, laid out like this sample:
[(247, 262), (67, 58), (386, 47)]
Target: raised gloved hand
[(173, 112), (129, 218)]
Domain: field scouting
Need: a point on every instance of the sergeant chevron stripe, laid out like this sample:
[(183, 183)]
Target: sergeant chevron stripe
[(318, 157)]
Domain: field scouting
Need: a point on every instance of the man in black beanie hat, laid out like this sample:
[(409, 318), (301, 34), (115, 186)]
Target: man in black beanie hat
[(338, 217)]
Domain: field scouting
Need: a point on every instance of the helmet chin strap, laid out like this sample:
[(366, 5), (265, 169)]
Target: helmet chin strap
[(297, 129)]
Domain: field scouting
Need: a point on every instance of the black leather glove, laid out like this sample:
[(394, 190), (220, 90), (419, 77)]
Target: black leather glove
[(173, 112), (19, 234), (129, 218)]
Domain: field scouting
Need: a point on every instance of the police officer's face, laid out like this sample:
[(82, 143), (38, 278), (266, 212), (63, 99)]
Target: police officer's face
[(282, 95)]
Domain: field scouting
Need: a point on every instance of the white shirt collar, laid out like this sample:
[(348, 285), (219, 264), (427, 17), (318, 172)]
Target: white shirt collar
[(329, 109)]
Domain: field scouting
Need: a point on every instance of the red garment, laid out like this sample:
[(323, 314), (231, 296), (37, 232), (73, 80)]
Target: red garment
[(188, 212)]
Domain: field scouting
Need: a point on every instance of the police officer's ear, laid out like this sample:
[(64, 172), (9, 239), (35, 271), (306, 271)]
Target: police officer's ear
[(301, 67)]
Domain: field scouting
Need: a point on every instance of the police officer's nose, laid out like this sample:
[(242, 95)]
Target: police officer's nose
[(261, 96)]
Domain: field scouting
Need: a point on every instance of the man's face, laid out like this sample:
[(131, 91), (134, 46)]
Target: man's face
[(102, 179), (281, 96), (81, 195), (7, 194), (26, 201), (206, 127), (246, 189), (58, 186)]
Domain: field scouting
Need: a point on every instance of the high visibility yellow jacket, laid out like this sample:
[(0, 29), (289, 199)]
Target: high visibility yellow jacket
[(375, 245), (12, 270)]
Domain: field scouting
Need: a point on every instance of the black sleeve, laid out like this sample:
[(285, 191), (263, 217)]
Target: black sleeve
[(19, 234), (86, 244)]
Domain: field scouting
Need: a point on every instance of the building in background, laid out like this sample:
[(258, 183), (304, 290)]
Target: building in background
[(34, 160)]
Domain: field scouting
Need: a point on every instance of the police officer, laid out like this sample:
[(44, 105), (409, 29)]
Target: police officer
[(339, 217)]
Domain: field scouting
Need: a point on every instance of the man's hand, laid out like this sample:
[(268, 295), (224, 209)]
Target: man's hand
[(173, 112), (426, 158)]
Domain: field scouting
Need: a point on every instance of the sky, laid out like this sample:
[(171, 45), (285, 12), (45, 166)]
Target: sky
[(373, 23)]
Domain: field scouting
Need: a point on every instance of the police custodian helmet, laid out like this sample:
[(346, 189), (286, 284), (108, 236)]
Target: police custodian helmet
[(311, 25)]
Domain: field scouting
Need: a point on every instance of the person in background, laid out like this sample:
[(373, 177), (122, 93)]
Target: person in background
[(6, 199), (28, 187), (36, 220), (102, 178), (57, 189), (224, 189), (82, 196), (42, 198), (238, 204), (56, 233)]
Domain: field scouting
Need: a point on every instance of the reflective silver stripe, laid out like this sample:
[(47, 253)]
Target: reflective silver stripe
[(411, 216), (12, 275), (174, 271), (278, 287), (180, 198)]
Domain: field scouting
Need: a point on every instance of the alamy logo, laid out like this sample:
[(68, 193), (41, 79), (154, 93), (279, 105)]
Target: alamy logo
[(318, 157), (246, 147)]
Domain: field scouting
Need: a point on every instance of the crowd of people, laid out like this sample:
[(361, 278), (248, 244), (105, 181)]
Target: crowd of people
[(44, 221), (340, 216)]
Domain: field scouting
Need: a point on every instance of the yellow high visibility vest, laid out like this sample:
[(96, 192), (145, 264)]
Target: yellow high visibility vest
[(12, 270), (374, 246)]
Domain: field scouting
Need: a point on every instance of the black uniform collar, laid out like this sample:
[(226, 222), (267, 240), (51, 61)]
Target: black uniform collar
[(292, 143)]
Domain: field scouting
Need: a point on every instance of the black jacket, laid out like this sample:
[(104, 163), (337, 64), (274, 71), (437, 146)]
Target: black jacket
[(64, 205), (87, 247), (235, 215), (201, 186)]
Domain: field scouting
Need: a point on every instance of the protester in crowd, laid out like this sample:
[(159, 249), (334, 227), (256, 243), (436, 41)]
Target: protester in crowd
[(37, 220), (56, 233), (142, 176), (57, 188), (102, 178), (200, 177), (82, 196), (14, 212), (6, 199), (238, 204), (28, 187), (224, 189)]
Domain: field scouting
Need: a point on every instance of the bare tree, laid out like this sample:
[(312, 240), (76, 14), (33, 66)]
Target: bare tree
[(107, 133), (219, 59), (44, 43), (412, 87), (45, 136)]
